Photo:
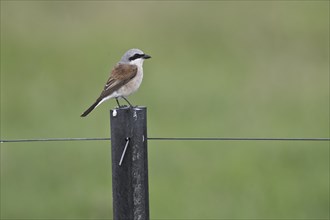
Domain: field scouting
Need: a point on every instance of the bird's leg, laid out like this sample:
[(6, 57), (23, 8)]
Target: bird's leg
[(118, 103), (127, 101)]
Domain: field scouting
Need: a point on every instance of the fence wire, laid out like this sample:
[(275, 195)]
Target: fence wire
[(167, 139)]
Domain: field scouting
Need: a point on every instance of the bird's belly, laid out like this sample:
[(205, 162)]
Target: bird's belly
[(130, 87)]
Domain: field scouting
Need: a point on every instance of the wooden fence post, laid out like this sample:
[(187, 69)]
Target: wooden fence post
[(129, 163)]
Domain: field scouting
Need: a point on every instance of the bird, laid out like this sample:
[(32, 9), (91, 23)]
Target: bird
[(125, 79)]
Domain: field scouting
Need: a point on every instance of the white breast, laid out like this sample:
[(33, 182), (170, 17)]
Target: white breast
[(132, 85)]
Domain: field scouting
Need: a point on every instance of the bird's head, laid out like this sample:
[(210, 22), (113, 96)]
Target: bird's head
[(134, 56)]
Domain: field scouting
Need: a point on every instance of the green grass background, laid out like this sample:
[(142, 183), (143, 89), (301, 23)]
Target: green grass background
[(218, 69)]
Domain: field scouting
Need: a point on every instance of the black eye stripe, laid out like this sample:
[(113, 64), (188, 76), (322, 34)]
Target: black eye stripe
[(136, 56)]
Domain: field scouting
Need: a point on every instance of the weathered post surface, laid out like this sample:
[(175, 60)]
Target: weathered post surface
[(129, 163)]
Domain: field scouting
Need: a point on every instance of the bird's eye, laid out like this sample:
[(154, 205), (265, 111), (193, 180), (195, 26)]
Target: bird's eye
[(136, 56)]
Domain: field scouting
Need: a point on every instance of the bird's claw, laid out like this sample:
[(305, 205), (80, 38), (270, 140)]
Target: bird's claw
[(121, 106)]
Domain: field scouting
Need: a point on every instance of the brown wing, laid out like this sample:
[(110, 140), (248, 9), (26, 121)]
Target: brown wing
[(120, 75)]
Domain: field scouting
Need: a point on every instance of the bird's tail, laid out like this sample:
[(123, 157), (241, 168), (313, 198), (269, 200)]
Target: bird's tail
[(90, 108)]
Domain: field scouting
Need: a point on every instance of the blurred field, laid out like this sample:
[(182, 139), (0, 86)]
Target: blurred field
[(218, 69)]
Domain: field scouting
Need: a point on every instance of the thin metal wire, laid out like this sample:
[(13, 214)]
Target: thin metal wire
[(169, 139), (54, 139), (238, 139)]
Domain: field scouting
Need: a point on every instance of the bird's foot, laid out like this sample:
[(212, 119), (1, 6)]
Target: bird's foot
[(122, 106)]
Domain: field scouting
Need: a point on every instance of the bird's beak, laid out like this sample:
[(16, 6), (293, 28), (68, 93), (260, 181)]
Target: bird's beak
[(145, 56)]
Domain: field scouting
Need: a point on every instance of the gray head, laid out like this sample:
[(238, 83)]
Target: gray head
[(133, 55)]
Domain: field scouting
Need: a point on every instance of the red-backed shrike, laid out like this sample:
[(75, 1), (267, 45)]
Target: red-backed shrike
[(125, 79)]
